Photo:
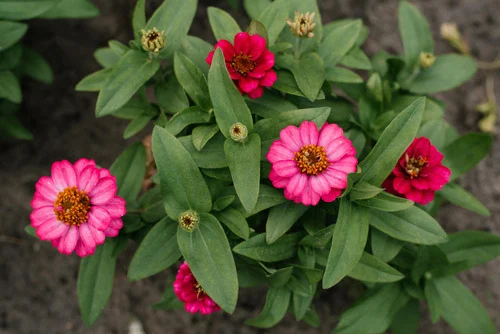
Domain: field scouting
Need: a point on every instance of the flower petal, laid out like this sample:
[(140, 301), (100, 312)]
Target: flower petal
[(88, 179), (114, 228), (46, 187), (332, 195), (86, 236), (336, 179), (248, 84), (319, 184), (115, 207), (242, 43), (286, 168), (347, 164), (297, 184), (401, 185), (269, 79), (329, 133), (40, 215), (51, 229), (40, 201), (278, 181), (308, 133), (265, 62), (290, 137), (81, 164), (256, 93), (104, 191), (99, 218), (68, 240), (227, 49), (97, 235), (278, 152), (338, 148), (258, 45), (63, 175)]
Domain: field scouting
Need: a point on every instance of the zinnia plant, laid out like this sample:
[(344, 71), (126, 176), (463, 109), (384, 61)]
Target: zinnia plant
[(284, 157)]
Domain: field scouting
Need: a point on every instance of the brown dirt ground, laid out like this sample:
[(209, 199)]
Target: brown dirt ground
[(38, 285)]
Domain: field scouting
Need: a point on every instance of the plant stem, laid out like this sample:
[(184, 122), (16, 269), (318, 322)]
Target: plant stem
[(297, 48)]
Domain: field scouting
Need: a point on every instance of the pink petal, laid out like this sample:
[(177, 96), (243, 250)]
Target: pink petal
[(338, 148), (51, 229), (421, 147), (401, 185), (46, 187), (68, 240), (104, 191), (232, 73), (265, 62), (296, 184), (427, 196), (278, 152), (40, 201), (63, 175), (420, 183), (99, 218), (320, 184), (336, 179), (269, 79), (114, 228), (347, 164), (103, 172), (248, 84), (415, 195), (290, 137), (210, 58), (258, 46), (82, 250), (227, 49), (86, 236), (242, 43), (286, 168), (256, 93), (278, 181), (115, 207), (97, 235), (191, 307), (88, 178), (309, 133), (329, 133), (81, 164), (332, 195), (40, 215)]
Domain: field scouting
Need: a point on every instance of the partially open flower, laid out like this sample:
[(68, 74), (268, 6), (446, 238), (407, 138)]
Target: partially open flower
[(188, 220), (427, 59), (249, 63), (310, 164), (238, 132), (419, 173), (153, 40), (302, 24), (77, 207), (190, 292)]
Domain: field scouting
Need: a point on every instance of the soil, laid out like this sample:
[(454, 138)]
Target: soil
[(38, 285)]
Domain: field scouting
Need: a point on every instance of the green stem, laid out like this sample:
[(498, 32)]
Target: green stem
[(297, 48)]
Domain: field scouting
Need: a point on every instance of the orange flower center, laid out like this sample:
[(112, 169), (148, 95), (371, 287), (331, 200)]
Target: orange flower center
[(72, 206), (242, 63), (414, 165), (311, 159)]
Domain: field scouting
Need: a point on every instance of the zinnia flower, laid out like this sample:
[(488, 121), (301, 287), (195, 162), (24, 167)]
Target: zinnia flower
[(418, 173), (249, 63), (189, 291), (77, 207), (311, 165)]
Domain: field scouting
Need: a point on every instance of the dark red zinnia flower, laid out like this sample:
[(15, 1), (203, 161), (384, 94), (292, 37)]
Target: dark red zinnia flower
[(249, 63), (418, 173)]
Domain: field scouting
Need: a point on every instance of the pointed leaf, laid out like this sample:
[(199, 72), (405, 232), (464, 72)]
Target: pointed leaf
[(371, 269), (277, 301), (223, 25), (281, 218), (129, 169)]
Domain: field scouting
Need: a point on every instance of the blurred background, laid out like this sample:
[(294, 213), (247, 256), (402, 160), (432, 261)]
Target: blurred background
[(38, 285)]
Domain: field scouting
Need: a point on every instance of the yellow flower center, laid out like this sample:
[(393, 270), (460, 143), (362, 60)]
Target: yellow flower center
[(72, 206), (311, 159), (199, 291), (414, 165), (242, 63)]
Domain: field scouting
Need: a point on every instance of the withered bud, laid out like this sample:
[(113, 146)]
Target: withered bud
[(449, 31), (153, 40), (189, 220), (238, 132), (427, 59), (302, 24)]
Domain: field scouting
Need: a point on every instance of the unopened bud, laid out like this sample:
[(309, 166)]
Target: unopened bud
[(153, 40), (238, 132), (427, 59), (302, 24), (189, 220), (449, 31)]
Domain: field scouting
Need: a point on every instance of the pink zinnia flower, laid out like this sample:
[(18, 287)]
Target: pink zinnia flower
[(311, 165), (189, 291), (77, 207), (249, 63), (418, 173)]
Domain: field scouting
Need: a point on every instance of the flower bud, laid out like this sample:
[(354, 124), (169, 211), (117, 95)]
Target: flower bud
[(449, 31), (238, 132), (427, 59), (189, 220), (374, 85), (302, 24), (153, 40)]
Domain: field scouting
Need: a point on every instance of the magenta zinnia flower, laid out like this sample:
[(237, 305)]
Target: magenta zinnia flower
[(311, 165), (418, 173), (189, 291), (77, 207), (249, 63)]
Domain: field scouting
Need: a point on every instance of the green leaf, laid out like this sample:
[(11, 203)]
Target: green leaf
[(373, 312), (340, 74), (169, 300), (211, 156), (182, 184), (31, 231), (413, 225), (363, 190), (449, 71), (197, 50), (181, 120), (439, 132), (256, 248), (207, 251), (473, 247), (106, 57), (255, 8), (171, 96), (459, 307), (95, 81), (277, 302), (465, 152), (358, 140), (392, 143), (383, 246), (274, 19), (356, 58), (11, 126), (459, 196), (223, 25), (135, 108), (173, 17), (24, 9), (348, 242), (386, 202), (11, 57), (280, 277), (139, 18), (339, 41), (11, 33), (71, 9), (157, 251), (268, 105), (229, 105), (318, 239), (202, 134), (309, 73), (415, 33), (371, 269), (35, 66), (235, 221), (132, 71), (137, 124), (10, 88), (192, 80), (95, 281), (286, 83), (407, 319), (281, 218), (257, 28), (244, 163), (268, 197), (129, 170)]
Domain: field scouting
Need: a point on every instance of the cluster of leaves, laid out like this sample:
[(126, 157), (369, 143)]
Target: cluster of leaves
[(17, 60), (248, 233)]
